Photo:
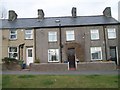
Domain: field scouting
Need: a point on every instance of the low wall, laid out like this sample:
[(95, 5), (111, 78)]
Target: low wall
[(80, 66), (49, 67), (96, 66)]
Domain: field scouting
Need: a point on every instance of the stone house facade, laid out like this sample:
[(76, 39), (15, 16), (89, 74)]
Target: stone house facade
[(60, 39)]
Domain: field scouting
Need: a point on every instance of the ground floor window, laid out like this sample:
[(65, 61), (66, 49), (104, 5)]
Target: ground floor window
[(13, 52), (53, 55), (96, 53)]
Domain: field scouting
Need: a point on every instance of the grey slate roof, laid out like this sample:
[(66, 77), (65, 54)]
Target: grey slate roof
[(64, 21)]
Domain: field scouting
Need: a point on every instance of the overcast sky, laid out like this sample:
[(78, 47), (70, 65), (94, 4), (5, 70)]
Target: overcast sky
[(55, 8)]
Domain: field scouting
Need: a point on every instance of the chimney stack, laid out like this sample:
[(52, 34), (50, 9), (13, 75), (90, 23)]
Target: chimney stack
[(41, 14), (12, 15), (107, 12), (74, 12)]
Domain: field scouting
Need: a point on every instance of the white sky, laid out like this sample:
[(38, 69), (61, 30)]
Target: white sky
[(54, 8)]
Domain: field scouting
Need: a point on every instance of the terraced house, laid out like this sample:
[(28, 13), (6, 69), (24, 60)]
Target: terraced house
[(61, 39)]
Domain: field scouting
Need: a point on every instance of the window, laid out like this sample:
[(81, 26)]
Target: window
[(111, 33), (13, 52), (28, 34), (70, 35), (13, 34), (52, 36), (94, 34), (53, 55), (96, 53)]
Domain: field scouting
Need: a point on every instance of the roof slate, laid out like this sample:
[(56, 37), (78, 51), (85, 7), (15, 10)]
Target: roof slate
[(64, 21)]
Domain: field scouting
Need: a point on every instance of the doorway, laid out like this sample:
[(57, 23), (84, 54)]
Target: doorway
[(29, 56), (71, 58), (113, 54)]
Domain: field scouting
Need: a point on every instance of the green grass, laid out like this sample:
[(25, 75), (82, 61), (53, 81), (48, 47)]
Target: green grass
[(60, 81)]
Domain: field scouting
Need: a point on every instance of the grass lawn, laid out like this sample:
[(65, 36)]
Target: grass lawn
[(60, 81)]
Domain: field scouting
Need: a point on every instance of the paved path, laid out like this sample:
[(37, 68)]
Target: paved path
[(110, 72)]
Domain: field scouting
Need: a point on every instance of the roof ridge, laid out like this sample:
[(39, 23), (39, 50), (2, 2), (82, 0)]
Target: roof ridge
[(59, 17)]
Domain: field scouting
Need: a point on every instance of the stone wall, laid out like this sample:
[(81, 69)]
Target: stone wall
[(81, 66)]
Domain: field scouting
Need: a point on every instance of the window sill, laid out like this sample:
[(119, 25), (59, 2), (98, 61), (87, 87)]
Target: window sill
[(52, 41), (70, 41), (112, 38), (28, 39), (95, 39), (53, 61), (12, 39)]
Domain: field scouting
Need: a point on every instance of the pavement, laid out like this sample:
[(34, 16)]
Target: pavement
[(85, 72)]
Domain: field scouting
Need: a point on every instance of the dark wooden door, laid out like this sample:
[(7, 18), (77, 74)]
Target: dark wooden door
[(71, 58), (113, 54)]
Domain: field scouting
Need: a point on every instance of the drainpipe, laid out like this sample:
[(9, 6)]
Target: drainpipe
[(105, 41), (35, 43), (21, 46), (60, 42), (60, 38)]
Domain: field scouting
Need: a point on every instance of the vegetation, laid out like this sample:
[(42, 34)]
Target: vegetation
[(37, 60), (7, 60), (60, 81)]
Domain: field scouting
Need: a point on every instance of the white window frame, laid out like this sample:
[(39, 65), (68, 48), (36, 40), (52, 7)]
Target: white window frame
[(31, 33), (70, 33), (12, 52), (13, 34), (94, 32), (113, 31), (49, 56), (95, 49), (52, 34)]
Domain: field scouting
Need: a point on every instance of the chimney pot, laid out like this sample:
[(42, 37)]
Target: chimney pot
[(74, 12), (41, 14)]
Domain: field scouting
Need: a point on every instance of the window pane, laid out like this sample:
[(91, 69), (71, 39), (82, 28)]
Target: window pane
[(96, 53), (28, 31), (28, 34), (29, 52), (52, 36), (13, 36), (94, 34), (13, 49), (13, 32), (70, 35), (53, 55), (111, 33), (13, 53)]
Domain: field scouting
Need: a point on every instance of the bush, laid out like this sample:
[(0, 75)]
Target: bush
[(37, 61), (7, 60)]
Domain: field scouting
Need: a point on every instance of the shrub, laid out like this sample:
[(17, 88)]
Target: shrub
[(37, 60), (8, 60)]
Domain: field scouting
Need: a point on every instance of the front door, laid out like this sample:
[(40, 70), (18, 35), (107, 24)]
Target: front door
[(29, 55), (71, 58), (113, 53)]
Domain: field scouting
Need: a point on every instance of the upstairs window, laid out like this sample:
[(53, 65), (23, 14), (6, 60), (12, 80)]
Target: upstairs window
[(13, 34), (28, 34), (94, 34), (111, 33), (70, 36), (13, 52), (52, 36)]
